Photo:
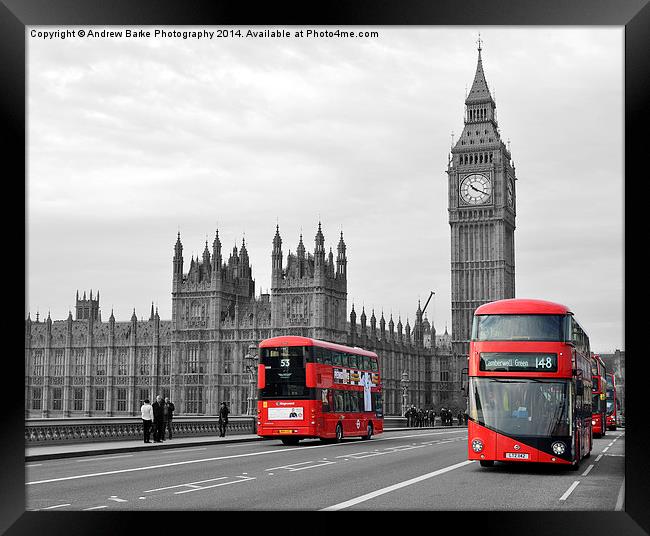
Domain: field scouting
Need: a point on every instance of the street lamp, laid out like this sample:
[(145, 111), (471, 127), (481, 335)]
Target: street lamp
[(464, 387), (405, 385), (251, 367)]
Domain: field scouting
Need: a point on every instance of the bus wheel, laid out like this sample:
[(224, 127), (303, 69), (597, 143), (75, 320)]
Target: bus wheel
[(339, 433), (368, 432), (486, 463)]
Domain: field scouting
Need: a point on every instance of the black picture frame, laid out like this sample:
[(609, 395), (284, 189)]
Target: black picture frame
[(634, 15)]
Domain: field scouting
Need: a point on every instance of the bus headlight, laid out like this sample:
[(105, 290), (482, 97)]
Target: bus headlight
[(593, 423), (558, 447), (477, 445)]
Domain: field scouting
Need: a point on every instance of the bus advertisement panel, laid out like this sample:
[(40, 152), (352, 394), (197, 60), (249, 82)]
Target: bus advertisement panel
[(598, 395), (316, 389), (529, 385)]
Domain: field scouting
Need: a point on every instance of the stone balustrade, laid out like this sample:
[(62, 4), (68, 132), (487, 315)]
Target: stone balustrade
[(91, 429), (94, 429)]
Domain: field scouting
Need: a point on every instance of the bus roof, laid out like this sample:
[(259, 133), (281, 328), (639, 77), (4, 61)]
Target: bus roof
[(522, 306), (291, 340)]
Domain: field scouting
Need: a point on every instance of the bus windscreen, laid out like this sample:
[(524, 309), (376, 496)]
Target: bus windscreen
[(518, 328)]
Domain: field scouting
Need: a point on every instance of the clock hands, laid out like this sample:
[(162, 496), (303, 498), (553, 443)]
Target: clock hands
[(479, 191)]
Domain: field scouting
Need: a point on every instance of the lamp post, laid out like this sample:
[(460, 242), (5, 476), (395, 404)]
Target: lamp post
[(251, 358), (464, 387), (405, 385)]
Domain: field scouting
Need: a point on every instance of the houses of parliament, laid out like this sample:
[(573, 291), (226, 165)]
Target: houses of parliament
[(87, 366)]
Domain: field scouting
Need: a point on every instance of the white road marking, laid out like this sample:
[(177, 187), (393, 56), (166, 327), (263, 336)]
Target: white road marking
[(190, 484), (176, 451), (588, 469), (312, 466), (620, 501), (34, 465), (57, 506), (605, 449), (616, 455), (570, 490), (245, 479), (216, 458), (91, 459), (289, 465), (116, 499), (95, 508), (353, 454), (599, 457), (372, 495)]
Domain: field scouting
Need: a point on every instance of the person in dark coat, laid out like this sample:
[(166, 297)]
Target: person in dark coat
[(158, 420), (223, 419), (168, 414)]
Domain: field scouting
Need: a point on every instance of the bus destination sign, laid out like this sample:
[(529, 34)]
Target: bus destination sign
[(517, 362)]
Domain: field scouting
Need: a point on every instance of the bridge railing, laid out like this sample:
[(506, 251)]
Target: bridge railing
[(97, 429)]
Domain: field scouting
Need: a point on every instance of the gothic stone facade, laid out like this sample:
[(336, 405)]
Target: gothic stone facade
[(86, 367)]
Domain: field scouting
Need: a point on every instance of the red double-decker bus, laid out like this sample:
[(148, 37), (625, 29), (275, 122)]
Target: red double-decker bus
[(612, 402), (598, 396), (315, 389), (529, 384)]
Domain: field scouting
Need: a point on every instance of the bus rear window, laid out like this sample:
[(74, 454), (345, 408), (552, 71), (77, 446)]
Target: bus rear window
[(518, 328)]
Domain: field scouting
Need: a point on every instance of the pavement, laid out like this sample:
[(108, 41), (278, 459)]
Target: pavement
[(51, 451)]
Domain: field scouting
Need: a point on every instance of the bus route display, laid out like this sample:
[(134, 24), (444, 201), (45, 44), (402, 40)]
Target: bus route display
[(517, 362)]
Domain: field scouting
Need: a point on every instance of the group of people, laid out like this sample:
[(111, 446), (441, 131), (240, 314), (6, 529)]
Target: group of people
[(419, 417), (157, 416)]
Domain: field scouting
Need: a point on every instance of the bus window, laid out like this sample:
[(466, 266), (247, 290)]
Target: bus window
[(352, 361), (365, 362), (336, 358), (326, 399), (377, 404), (338, 401), (373, 364), (326, 356)]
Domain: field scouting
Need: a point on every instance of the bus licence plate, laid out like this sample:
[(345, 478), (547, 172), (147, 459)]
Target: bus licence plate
[(285, 431), (517, 455)]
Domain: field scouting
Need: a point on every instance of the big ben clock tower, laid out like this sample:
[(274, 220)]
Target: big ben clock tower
[(482, 204)]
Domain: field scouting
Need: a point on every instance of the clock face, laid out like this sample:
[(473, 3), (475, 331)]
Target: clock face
[(510, 194), (475, 189)]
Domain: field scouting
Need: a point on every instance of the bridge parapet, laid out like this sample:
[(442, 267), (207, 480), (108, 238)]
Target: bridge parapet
[(97, 429), (92, 429)]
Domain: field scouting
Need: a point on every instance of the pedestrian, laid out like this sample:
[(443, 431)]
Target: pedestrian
[(168, 414), (433, 419), (147, 419), (158, 420), (223, 419)]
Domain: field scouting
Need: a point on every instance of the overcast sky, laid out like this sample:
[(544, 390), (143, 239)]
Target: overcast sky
[(132, 140)]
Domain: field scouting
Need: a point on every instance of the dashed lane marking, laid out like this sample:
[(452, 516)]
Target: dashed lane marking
[(588, 469), (96, 508), (570, 490), (56, 506), (190, 484), (241, 479)]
